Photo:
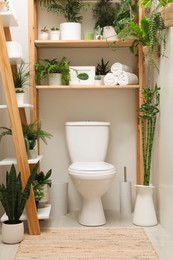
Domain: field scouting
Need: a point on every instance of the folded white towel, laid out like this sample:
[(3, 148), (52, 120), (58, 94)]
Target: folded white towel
[(117, 67), (110, 79), (127, 78)]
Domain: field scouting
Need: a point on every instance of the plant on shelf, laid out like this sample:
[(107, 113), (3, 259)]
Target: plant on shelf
[(102, 68), (126, 11), (104, 14), (14, 198), (31, 132), (40, 186), (69, 8), (151, 33), (47, 67), (21, 77), (147, 115)]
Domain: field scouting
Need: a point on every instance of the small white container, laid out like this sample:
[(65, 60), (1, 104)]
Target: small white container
[(70, 31), (54, 35)]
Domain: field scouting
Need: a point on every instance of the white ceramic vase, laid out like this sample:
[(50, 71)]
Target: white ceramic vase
[(33, 154), (144, 211), (55, 79), (70, 31), (55, 35), (20, 98), (109, 33), (12, 233)]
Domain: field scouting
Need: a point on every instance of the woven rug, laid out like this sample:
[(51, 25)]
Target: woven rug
[(87, 243)]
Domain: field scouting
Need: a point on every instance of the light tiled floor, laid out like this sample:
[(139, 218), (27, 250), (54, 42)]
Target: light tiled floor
[(160, 240)]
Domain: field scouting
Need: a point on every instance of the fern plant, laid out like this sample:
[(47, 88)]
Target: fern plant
[(13, 197)]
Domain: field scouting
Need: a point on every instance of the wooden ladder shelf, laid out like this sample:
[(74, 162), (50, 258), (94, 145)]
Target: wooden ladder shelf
[(16, 126)]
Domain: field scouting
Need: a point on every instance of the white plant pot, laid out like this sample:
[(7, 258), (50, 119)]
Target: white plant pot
[(144, 212), (55, 35), (45, 198), (55, 79), (12, 233), (70, 31), (33, 154), (20, 98), (109, 33), (44, 36)]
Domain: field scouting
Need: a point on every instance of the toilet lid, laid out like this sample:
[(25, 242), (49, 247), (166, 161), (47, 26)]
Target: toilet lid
[(91, 166)]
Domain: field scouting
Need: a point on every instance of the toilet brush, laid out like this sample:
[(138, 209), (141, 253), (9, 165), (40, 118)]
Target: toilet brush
[(125, 195)]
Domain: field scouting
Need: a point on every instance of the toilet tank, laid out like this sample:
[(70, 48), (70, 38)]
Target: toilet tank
[(87, 141)]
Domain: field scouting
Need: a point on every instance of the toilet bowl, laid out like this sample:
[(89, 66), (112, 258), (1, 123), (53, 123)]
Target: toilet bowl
[(87, 142)]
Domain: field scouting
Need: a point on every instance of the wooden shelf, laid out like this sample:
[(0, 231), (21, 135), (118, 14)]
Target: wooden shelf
[(88, 87), (10, 161), (8, 19), (83, 44), (42, 213), (20, 106)]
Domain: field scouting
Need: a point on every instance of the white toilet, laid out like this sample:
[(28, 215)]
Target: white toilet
[(87, 143)]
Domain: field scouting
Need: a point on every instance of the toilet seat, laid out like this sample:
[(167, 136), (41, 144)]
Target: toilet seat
[(92, 170)]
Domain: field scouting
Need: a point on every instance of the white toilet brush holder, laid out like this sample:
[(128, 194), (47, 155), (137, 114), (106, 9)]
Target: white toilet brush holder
[(125, 195)]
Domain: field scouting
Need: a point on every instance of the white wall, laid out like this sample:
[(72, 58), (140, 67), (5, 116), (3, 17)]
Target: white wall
[(163, 165)]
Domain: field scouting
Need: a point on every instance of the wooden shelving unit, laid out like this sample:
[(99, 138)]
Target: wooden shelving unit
[(36, 44)]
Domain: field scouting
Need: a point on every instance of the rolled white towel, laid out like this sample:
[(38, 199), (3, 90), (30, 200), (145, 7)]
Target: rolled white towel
[(110, 79), (127, 78), (117, 67)]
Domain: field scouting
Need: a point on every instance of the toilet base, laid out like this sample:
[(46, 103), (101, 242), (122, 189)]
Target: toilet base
[(92, 213)]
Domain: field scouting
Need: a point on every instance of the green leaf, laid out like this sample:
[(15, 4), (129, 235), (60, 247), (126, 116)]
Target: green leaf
[(83, 76)]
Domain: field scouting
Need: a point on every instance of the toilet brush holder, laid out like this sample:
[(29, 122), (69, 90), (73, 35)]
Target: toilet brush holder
[(125, 196)]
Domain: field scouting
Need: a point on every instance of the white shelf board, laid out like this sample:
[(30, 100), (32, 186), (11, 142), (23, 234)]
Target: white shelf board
[(8, 19), (10, 161), (42, 213), (20, 106)]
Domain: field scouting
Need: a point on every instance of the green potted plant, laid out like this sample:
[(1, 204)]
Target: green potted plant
[(54, 33), (58, 72), (21, 78), (147, 115), (151, 33), (32, 133), (14, 198), (102, 69), (104, 14), (70, 9), (40, 187)]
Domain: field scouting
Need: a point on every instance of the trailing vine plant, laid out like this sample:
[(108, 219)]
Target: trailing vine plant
[(147, 114)]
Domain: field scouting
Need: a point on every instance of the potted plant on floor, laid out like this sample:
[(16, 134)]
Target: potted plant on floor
[(70, 9), (13, 198), (58, 71), (144, 212), (32, 133), (20, 78), (41, 186)]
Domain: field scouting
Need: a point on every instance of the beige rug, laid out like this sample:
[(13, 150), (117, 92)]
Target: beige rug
[(87, 243)]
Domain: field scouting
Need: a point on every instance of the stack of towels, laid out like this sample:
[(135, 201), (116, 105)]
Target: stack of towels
[(120, 74)]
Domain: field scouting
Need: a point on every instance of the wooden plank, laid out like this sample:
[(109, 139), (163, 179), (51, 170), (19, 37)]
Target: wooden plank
[(32, 30), (82, 44), (88, 87), (17, 132)]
